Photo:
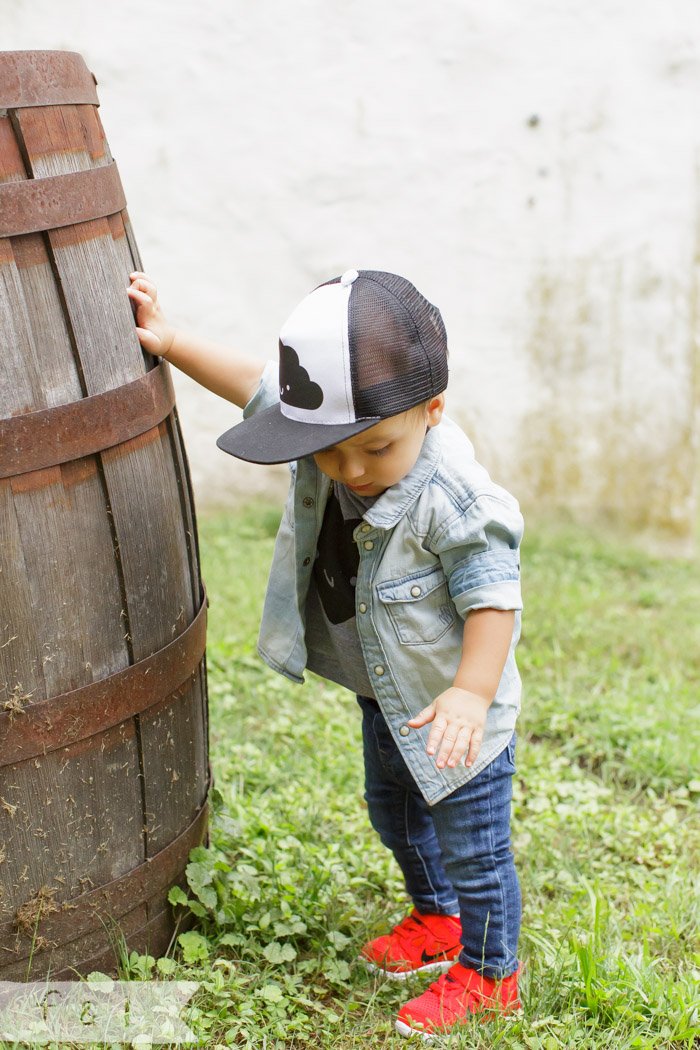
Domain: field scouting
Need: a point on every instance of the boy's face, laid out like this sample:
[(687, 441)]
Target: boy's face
[(379, 457)]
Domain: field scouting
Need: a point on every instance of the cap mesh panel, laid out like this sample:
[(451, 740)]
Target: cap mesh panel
[(398, 345)]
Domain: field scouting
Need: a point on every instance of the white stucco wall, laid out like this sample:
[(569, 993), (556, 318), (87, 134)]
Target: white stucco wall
[(532, 167)]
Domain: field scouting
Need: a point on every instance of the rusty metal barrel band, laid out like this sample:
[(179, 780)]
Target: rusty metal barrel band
[(80, 915), (45, 78), (36, 205), (152, 937), (35, 440), (62, 720)]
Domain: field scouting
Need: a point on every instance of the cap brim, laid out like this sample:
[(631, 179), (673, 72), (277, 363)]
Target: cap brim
[(270, 437)]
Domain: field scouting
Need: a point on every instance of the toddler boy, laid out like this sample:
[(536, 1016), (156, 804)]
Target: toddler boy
[(395, 573)]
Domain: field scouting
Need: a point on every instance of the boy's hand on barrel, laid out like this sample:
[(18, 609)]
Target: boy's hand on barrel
[(229, 373), (154, 332)]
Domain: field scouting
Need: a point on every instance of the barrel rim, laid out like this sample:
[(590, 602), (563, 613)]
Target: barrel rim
[(45, 78)]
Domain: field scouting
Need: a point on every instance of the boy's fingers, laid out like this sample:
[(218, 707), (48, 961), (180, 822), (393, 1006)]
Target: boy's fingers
[(448, 743), (149, 289), (454, 745), (142, 282), (150, 342), (460, 746), (474, 747), (437, 731), (141, 297), (426, 715)]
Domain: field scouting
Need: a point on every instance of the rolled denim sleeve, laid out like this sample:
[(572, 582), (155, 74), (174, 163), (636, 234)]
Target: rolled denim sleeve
[(479, 552), (267, 393)]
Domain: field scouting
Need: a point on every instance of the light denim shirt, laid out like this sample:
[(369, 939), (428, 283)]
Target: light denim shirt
[(442, 541)]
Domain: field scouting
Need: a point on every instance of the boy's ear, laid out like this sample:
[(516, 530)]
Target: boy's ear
[(435, 408)]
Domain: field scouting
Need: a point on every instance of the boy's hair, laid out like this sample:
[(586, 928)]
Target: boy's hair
[(421, 408), (358, 349)]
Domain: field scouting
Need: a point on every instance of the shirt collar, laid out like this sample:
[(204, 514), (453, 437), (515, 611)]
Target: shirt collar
[(397, 500)]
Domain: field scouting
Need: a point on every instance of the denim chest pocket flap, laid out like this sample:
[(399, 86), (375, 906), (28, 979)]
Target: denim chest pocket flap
[(419, 606)]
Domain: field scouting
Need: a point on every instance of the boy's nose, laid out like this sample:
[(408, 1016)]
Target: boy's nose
[(351, 468)]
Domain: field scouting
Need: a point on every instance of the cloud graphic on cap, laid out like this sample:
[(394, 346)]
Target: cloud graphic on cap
[(295, 386)]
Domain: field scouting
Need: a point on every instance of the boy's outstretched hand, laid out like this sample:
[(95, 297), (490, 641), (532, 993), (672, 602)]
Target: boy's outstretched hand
[(155, 334), (459, 714), (459, 718)]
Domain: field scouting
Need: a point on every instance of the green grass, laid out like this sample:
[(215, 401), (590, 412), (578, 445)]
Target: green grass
[(605, 819), (610, 656)]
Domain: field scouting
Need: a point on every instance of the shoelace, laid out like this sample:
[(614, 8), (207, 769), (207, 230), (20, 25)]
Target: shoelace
[(439, 988)]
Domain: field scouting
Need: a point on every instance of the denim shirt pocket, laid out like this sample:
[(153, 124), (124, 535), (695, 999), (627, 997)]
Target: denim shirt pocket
[(418, 606)]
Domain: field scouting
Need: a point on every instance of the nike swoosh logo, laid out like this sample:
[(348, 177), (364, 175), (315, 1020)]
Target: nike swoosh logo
[(329, 579), (425, 958)]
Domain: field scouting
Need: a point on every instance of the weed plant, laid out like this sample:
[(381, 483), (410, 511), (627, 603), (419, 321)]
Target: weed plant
[(605, 820)]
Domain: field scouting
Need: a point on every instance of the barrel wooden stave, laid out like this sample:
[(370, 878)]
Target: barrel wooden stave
[(68, 820), (57, 380), (72, 577), (173, 738), (56, 141)]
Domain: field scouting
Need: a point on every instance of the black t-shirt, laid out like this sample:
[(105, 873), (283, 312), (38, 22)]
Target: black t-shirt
[(332, 642)]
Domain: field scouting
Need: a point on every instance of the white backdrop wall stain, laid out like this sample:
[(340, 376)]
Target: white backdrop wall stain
[(533, 168)]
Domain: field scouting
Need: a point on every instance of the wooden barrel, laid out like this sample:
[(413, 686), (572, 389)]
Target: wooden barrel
[(103, 723)]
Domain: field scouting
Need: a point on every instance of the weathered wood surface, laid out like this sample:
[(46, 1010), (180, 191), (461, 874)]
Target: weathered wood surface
[(98, 557)]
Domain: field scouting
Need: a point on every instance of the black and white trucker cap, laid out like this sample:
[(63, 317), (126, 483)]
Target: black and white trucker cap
[(358, 349)]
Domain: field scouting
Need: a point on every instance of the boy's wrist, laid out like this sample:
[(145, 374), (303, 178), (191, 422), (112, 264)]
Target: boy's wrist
[(167, 342), (477, 689)]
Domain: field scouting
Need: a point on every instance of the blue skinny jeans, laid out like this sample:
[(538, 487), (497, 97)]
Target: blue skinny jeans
[(455, 855)]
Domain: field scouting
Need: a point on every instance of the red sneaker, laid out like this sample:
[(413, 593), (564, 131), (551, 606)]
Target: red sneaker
[(452, 998), (419, 944)]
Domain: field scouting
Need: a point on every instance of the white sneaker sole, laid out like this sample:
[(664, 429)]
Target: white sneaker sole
[(403, 1029), (436, 967)]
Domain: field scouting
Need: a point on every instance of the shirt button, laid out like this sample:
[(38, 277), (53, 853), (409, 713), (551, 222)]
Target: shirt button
[(368, 545), (363, 607), (404, 731), (415, 591), (379, 670), (306, 561), (307, 501), (366, 528)]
